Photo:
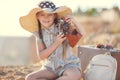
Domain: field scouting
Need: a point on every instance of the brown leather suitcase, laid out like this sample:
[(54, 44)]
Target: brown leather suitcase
[(86, 53), (117, 56)]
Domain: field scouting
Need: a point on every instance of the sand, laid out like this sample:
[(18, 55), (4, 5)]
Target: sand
[(16, 72)]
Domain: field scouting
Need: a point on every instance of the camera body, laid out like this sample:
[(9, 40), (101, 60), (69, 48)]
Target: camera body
[(63, 26), (66, 28)]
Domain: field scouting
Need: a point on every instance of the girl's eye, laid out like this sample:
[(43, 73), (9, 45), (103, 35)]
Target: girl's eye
[(50, 14)]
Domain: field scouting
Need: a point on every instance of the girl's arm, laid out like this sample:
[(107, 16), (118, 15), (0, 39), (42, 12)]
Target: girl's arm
[(44, 52)]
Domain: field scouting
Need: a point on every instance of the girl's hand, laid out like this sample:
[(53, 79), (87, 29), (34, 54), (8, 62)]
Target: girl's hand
[(60, 38), (69, 19)]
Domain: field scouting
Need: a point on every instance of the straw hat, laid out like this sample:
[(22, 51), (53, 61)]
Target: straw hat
[(30, 23)]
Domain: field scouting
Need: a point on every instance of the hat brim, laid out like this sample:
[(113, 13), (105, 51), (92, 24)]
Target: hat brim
[(30, 23)]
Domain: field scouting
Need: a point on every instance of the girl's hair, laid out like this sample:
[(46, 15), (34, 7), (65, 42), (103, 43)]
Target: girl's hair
[(39, 30)]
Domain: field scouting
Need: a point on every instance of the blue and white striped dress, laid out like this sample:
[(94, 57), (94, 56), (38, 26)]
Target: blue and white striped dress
[(55, 61)]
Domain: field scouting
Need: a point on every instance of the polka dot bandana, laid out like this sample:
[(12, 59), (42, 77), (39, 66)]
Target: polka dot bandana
[(48, 5)]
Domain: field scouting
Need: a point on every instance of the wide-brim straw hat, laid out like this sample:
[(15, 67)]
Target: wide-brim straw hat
[(30, 22)]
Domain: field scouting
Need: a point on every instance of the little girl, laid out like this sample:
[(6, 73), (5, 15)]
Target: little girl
[(42, 23)]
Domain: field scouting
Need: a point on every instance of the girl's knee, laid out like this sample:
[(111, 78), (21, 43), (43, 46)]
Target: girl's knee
[(69, 78), (73, 74), (31, 76), (78, 76)]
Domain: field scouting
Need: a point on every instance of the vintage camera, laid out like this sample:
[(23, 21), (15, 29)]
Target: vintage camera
[(65, 27), (69, 30)]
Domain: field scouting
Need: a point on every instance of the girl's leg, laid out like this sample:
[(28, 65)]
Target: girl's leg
[(71, 73), (42, 74)]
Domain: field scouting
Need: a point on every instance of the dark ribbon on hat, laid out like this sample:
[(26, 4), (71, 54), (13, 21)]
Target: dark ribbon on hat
[(47, 4)]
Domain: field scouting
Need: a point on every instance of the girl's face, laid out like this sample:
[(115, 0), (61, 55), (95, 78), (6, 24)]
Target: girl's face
[(46, 19)]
